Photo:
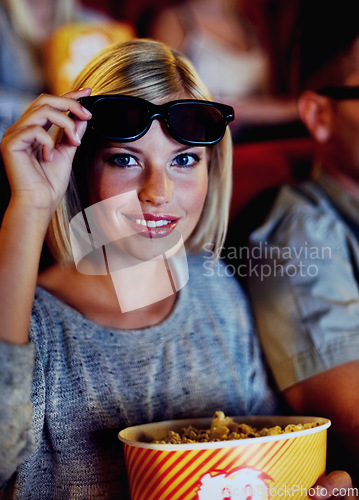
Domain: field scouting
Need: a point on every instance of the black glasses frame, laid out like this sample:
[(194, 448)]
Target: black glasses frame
[(339, 93), (158, 111)]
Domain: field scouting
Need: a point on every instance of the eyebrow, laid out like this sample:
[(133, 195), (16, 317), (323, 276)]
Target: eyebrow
[(122, 145)]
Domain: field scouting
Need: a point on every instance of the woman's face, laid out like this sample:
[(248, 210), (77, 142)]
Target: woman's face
[(157, 186)]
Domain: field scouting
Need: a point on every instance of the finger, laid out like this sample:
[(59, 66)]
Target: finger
[(61, 104), (80, 128), (33, 138), (63, 146), (38, 113), (48, 152), (23, 138), (337, 484), (46, 116)]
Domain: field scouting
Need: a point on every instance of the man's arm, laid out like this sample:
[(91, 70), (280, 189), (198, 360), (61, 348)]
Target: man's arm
[(333, 394), (307, 312)]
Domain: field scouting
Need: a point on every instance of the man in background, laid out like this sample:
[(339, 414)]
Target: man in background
[(305, 288)]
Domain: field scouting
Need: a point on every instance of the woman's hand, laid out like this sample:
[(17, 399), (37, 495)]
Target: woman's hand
[(336, 485), (39, 169)]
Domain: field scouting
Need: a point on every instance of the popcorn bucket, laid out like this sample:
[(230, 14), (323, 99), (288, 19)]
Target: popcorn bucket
[(259, 468)]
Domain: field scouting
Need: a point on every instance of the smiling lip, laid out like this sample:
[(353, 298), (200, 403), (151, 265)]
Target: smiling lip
[(152, 225)]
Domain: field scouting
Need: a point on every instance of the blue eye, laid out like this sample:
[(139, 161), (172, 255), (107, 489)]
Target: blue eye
[(186, 160), (123, 160)]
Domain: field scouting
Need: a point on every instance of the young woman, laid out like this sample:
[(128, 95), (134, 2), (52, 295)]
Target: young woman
[(75, 367)]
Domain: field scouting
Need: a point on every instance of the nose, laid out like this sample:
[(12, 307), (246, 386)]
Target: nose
[(157, 188)]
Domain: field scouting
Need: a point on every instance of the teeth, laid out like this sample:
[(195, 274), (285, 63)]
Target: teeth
[(152, 223)]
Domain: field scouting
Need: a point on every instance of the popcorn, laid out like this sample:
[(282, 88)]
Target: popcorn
[(226, 429)]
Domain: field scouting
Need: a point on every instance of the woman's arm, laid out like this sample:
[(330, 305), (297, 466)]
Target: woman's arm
[(38, 171)]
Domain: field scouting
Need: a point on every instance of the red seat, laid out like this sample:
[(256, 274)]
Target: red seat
[(261, 165)]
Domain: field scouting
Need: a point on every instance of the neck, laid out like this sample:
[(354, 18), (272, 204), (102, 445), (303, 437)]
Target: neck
[(97, 298), (350, 184)]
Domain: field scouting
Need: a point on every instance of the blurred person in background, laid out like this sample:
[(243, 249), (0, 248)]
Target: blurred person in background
[(226, 51), (25, 25), (307, 304)]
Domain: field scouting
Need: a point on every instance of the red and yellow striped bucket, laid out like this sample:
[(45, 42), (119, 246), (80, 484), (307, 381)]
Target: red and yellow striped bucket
[(252, 469)]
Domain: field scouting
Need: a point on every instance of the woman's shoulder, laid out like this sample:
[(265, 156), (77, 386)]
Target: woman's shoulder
[(55, 300), (48, 311)]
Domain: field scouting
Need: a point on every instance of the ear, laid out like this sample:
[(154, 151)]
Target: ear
[(316, 113)]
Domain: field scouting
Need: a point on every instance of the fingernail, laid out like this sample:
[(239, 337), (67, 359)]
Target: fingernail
[(86, 111), (78, 138)]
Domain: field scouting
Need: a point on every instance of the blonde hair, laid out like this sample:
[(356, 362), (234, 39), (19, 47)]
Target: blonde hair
[(149, 69)]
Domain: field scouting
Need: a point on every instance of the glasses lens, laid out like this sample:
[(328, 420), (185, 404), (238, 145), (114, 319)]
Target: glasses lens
[(197, 122), (340, 93), (120, 119)]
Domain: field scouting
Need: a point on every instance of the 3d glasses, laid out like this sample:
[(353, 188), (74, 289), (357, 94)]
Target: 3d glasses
[(123, 118)]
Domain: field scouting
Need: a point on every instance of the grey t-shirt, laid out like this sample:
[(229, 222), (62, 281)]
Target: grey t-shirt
[(90, 381)]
